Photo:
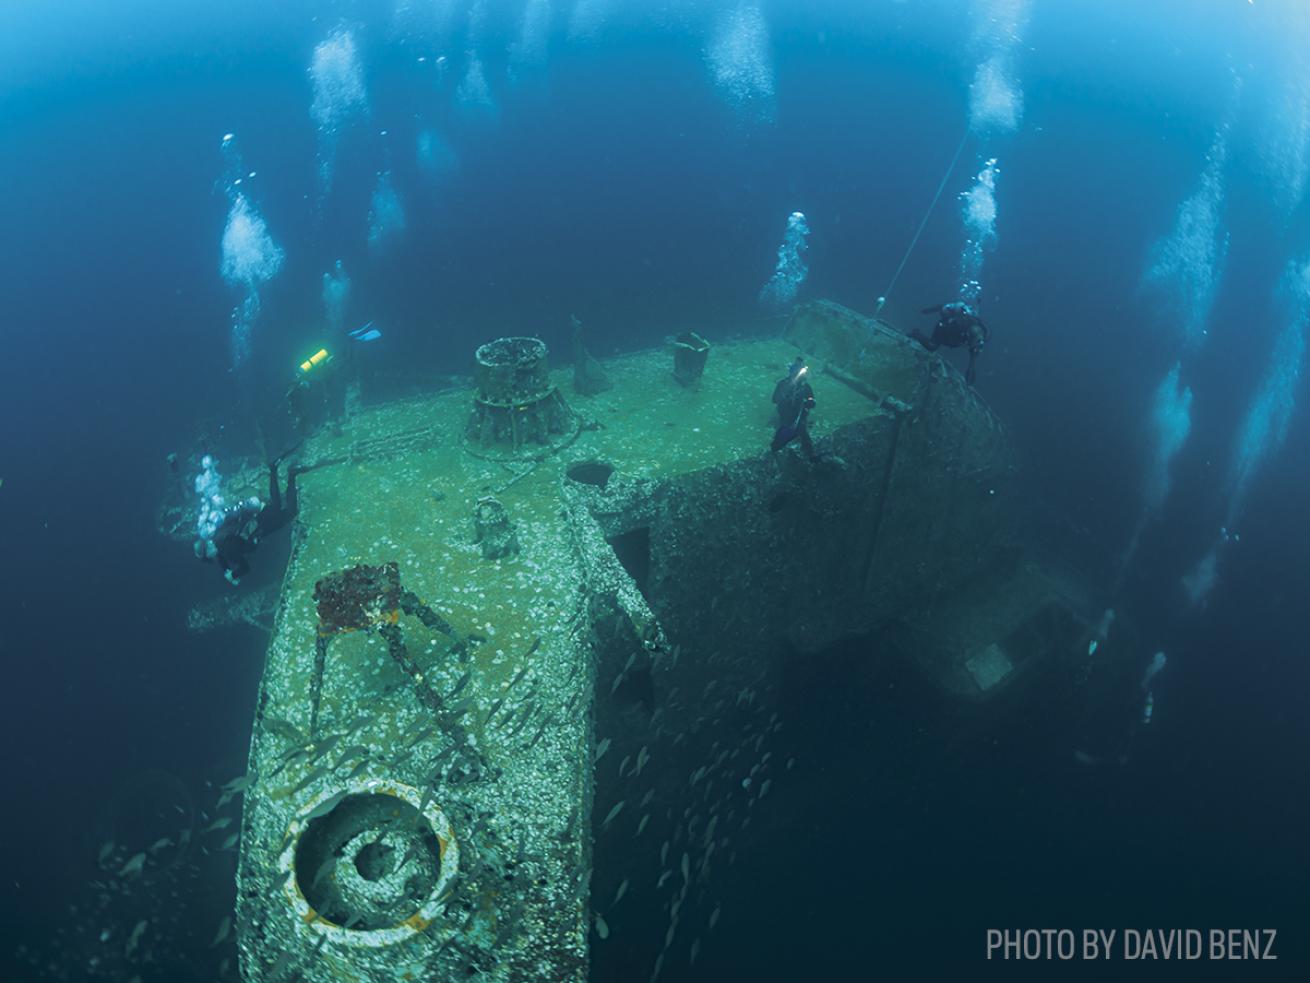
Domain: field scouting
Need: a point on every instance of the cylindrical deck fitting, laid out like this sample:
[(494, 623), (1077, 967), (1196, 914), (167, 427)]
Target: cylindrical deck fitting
[(516, 405), (512, 370), (690, 351)]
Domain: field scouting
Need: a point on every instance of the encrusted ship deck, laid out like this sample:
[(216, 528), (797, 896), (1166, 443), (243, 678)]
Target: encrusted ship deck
[(442, 818)]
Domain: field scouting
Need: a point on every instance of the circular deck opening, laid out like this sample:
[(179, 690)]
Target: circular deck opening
[(511, 352), (372, 862), (375, 860), (591, 473)]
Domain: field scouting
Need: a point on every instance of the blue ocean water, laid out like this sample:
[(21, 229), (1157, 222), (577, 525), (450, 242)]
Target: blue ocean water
[(635, 164)]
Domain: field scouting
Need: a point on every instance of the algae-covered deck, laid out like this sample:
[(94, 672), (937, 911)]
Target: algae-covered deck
[(492, 744)]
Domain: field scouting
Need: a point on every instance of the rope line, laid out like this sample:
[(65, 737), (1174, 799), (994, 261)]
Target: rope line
[(926, 215)]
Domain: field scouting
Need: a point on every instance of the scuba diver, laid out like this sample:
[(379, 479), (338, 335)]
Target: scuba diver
[(794, 398), (958, 326), (1115, 686), (241, 527), (792, 390), (322, 388), (797, 429), (309, 399)]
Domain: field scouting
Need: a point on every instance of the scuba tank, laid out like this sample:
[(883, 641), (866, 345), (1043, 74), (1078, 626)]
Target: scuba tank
[(319, 358)]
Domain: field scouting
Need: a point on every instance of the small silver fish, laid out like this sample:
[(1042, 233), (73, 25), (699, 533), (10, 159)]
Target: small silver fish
[(327, 866), (134, 866), (601, 748), (602, 926), (463, 681), (695, 950), (326, 806), (518, 676), (645, 799), (283, 729), (326, 745), (663, 877), (350, 754), (463, 706), (224, 927), (623, 765), (298, 754), (134, 939), (105, 851), (311, 778), (281, 964), (623, 889), (544, 724), (714, 916), (686, 867), (612, 815), (241, 783), (230, 842), (419, 735), (523, 719), (218, 824), (641, 826)]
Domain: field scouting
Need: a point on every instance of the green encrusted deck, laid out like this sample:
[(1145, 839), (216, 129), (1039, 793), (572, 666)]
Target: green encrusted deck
[(740, 556), (405, 492)]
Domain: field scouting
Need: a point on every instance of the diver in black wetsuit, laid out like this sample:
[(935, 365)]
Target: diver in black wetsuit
[(958, 326), (794, 398), (1117, 702), (798, 428), (244, 525), (792, 390)]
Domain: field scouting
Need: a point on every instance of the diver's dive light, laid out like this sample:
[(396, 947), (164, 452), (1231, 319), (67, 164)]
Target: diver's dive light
[(318, 358)]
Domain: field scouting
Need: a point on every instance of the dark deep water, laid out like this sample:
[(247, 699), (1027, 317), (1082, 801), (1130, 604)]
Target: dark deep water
[(618, 183)]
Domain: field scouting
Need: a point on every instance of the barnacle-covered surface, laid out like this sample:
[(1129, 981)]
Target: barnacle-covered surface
[(652, 551), (251, 608)]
